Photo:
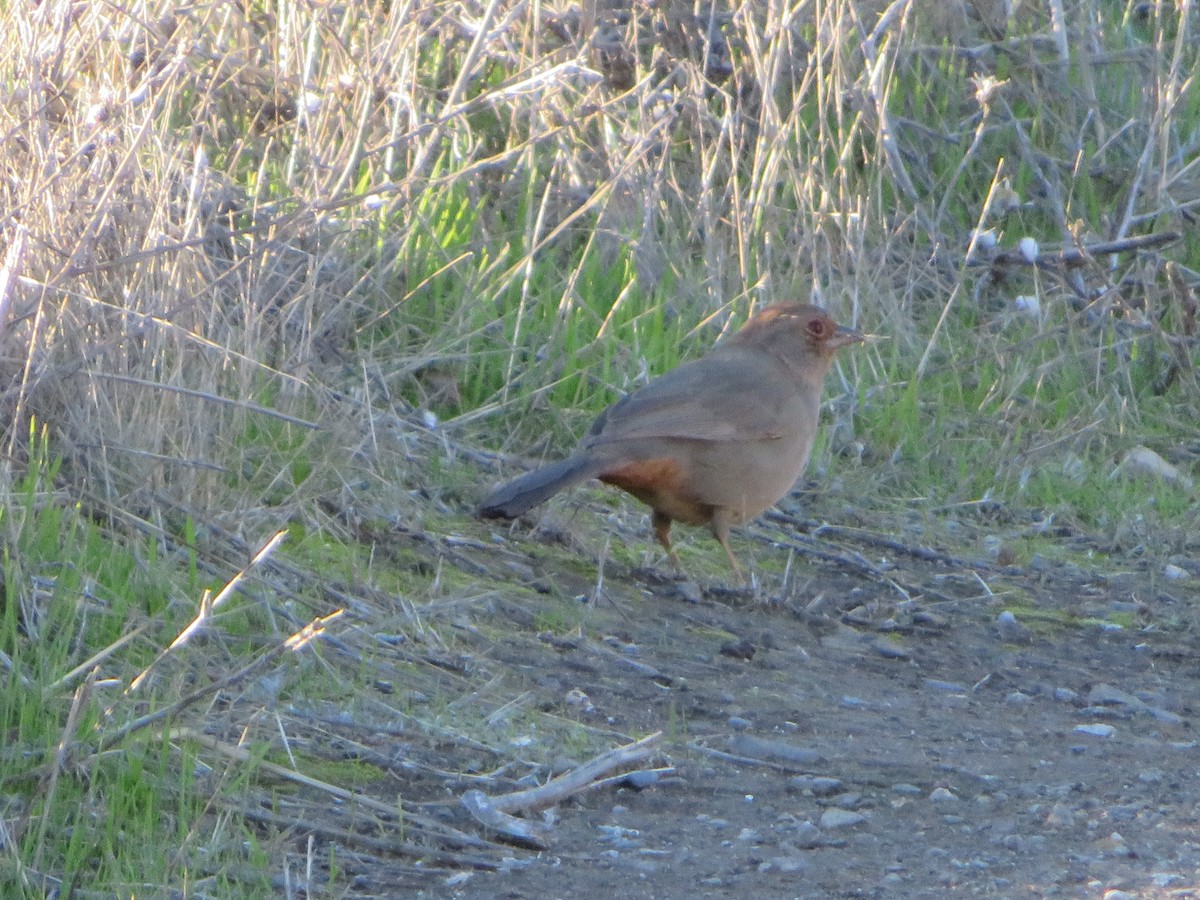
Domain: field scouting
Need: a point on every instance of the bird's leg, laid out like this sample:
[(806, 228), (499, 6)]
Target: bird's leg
[(662, 531), (721, 521)]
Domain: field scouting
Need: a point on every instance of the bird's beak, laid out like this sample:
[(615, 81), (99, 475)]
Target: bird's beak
[(844, 336)]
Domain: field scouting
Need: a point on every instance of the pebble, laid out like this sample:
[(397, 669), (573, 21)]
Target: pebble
[(1016, 698), (819, 785), (1187, 563), (1144, 461), (1165, 715), (784, 864), (807, 836), (642, 779), (1107, 701), (1097, 728), (1172, 572), (1025, 844), (620, 837), (891, 650), (903, 787), (1061, 815), (925, 619), (1010, 629), (737, 723), (943, 795), (1167, 879), (1065, 695), (1105, 694), (1114, 845), (841, 818), (748, 745)]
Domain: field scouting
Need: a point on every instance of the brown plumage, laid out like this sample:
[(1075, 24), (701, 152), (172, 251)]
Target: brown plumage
[(713, 442)]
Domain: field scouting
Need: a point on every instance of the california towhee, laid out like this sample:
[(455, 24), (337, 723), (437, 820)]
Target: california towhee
[(715, 441)]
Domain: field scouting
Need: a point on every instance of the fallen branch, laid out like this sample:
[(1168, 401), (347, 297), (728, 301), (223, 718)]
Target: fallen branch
[(497, 812), (1071, 257)]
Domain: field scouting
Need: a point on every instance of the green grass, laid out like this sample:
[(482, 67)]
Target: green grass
[(70, 589)]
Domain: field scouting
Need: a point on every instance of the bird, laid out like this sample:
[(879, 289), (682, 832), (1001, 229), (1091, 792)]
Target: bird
[(715, 441)]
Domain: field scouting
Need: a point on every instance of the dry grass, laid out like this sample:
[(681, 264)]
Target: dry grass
[(249, 255)]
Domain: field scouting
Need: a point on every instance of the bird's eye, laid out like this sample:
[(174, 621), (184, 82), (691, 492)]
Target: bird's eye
[(817, 328)]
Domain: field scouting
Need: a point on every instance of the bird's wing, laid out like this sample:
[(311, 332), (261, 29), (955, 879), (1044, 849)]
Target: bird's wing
[(723, 397)]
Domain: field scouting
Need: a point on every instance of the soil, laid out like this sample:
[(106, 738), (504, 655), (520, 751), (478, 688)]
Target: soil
[(890, 719)]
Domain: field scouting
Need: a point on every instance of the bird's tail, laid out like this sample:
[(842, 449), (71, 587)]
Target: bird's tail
[(522, 494)]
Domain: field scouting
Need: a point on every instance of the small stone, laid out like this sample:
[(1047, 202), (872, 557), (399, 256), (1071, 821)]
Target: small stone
[(619, 836), (1065, 695), (923, 618), (1061, 815), (903, 787), (1172, 572), (737, 723), (743, 648), (642, 779), (784, 864), (1114, 845), (943, 795), (819, 785), (1164, 715), (1187, 563), (1011, 631), (1144, 461), (1098, 729), (890, 650), (761, 748), (576, 697), (1106, 695), (807, 836), (841, 818)]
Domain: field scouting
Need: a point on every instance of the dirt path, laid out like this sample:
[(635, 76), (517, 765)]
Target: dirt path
[(837, 740)]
